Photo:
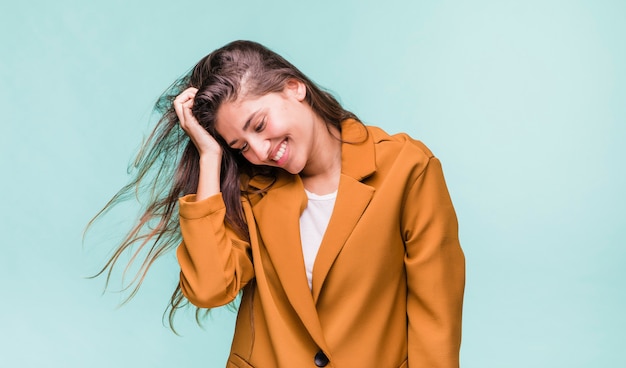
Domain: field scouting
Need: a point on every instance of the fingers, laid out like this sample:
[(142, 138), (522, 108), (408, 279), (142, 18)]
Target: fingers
[(187, 114), (189, 93), (185, 96), (204, 142), (182, 106)]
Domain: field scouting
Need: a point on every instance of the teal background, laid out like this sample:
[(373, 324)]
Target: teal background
[(523, 101)]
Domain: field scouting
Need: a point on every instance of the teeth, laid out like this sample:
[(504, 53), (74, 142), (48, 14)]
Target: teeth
[(281, 151)]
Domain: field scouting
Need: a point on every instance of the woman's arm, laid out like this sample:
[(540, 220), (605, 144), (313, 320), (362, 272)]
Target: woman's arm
[(209, 150), (215, 263), (435, 267)]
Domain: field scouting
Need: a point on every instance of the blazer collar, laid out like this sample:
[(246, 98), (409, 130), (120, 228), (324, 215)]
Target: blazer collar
[(358, 159)]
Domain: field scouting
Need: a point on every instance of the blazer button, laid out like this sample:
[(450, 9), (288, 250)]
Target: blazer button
[(321, 360)]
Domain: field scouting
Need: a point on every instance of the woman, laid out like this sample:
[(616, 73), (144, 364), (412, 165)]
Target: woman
[(342, 238)]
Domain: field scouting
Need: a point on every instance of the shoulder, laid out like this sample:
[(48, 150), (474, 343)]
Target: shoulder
[(369, 150), (399, 146)]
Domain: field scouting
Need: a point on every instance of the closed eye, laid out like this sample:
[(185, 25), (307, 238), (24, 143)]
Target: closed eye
[(244, 148), (259, 128)]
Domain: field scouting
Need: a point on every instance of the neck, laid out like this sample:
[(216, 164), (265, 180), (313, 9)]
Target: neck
[(322, 172)]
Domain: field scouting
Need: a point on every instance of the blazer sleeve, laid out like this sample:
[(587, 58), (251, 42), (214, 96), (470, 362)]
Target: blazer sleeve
[(435, 267), (215, 264)]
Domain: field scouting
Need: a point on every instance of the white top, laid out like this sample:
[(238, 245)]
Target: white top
[(313, 223)]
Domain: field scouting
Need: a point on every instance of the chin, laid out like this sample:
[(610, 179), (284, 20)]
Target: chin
[(294, 172), (293, 169)]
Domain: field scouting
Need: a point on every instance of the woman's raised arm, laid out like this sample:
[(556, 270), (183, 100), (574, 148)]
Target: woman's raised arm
[(209, 150)]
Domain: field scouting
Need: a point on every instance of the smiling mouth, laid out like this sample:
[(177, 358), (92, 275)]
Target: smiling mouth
[(281, 151)]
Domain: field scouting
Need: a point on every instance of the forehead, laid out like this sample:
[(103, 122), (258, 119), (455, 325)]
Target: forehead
[(232, 116), (230, 111)]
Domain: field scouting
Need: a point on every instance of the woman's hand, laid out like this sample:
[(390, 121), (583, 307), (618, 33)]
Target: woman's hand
[(209, 150), (204, 142)]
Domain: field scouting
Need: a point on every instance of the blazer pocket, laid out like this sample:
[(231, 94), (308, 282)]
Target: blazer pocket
[(405, 364), (235, 361)]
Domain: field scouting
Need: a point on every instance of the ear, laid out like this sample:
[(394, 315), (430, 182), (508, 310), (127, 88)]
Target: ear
[(296, 88)]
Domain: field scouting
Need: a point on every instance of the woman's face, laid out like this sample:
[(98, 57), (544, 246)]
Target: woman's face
[(276, 129)]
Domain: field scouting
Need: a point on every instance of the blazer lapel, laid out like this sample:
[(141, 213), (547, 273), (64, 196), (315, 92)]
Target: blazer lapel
[(277, 215), (352, 200), (353, 197)]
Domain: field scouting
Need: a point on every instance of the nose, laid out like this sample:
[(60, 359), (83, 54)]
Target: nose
[(260, 148)]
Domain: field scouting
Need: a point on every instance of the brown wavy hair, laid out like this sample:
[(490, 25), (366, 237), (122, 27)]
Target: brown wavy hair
[(167, 165)]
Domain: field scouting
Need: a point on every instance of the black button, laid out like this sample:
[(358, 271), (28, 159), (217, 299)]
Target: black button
[(321, 360)]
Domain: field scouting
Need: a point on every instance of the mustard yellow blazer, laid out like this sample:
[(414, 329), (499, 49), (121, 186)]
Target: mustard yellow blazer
[(388, 279)]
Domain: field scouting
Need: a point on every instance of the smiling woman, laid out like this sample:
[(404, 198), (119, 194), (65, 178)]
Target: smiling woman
[(342, 238), (278, 129)]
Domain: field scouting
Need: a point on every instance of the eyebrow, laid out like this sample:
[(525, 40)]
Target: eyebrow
[(245, 126)]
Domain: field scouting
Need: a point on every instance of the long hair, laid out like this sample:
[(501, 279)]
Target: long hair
[(167, 165)]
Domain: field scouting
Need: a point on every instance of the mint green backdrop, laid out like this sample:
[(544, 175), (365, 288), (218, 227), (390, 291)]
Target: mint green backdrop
[(523, 101)]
